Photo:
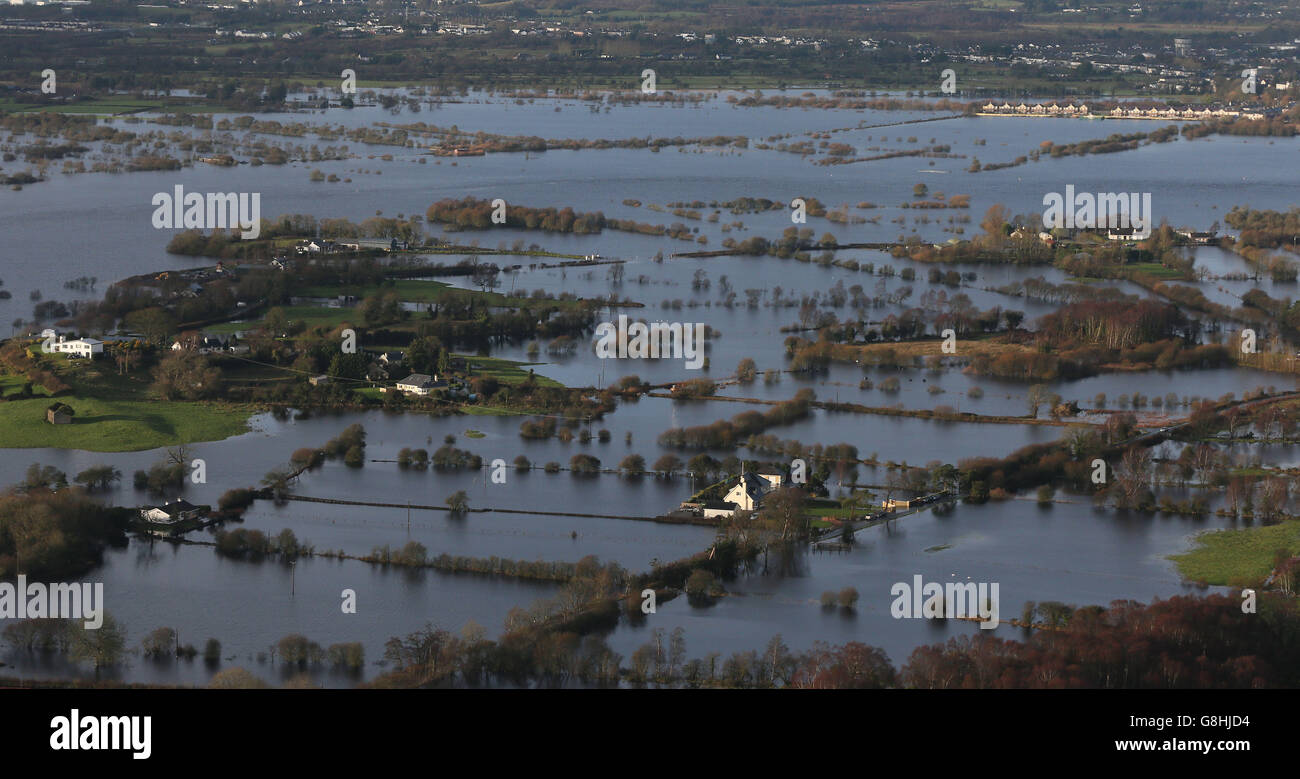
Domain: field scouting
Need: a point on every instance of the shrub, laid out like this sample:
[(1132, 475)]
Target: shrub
[(235, 500), (848, 598)]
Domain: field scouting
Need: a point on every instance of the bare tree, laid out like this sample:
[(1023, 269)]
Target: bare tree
[(1133, 476), (1204, 458), (1273, 494)]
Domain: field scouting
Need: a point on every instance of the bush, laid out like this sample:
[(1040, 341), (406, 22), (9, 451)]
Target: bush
[(296, 649), (584, 463), (307, 457), (702, 588), (632, 465), (349, 656), (236, 500), (160, 643), (848, 598)]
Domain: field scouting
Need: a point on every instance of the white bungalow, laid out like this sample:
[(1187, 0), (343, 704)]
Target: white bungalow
[(417, 384), (713, 509), (171, 513)]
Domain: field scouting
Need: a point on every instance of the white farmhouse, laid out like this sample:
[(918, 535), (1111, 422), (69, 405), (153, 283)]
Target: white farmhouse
[(748, 491), (81, 347)]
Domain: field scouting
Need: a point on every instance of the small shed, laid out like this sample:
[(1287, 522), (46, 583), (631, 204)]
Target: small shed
[(59, 414)]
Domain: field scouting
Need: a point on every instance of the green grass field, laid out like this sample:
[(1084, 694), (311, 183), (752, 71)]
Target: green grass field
[(827, 511), (508, 371), (1155, 269), (108, 105), (117, 425), (1245, 556), (11, 385), (418, 291), (313, 315)]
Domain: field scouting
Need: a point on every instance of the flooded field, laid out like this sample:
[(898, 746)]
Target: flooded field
[(99, 225)]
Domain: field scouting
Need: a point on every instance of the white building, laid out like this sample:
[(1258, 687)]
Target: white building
[(714, 509), (749, 491), (171, 513), (417, 384), (774, 478), (82, 347)]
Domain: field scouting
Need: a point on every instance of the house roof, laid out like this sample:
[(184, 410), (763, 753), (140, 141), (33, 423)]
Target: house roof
[(724, 505), (173, 508), (417, 380), (753, 486)]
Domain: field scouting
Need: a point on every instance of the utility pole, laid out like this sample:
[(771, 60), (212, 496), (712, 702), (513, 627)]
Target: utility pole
[(293, 579)]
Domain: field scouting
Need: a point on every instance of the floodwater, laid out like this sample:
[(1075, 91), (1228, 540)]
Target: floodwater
[(99, 225)]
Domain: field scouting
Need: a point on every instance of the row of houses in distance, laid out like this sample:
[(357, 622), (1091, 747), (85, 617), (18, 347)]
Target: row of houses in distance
[(325, 246), (1196, 237), (1118, 112), (1034, 109)]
